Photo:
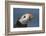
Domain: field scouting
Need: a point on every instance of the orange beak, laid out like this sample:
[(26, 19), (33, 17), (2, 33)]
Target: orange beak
[(30, 15)]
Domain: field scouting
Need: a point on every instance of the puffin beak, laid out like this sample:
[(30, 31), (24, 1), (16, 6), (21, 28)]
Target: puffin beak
[(30, 16)]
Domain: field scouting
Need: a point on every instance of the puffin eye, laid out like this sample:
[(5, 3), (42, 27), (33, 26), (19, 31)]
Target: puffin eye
[(24, 16)]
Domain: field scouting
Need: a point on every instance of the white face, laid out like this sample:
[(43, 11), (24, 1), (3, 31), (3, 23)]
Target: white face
[(25, 18)]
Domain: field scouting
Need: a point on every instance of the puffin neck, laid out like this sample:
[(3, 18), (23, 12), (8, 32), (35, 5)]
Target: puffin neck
[(22, 22)]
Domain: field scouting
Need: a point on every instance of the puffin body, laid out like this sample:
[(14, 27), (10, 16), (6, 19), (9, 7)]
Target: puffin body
[(22, 22)]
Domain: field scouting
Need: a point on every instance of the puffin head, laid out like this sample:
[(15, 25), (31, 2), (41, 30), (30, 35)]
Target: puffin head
[(25, 18)]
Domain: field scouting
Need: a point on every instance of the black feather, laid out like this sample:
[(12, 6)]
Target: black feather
[(18, 24)]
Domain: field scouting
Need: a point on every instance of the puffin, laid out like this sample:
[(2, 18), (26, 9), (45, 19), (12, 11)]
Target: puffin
[(25, 18)]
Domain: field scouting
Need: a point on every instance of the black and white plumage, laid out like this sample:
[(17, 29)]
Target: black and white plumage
[(22, 22)]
